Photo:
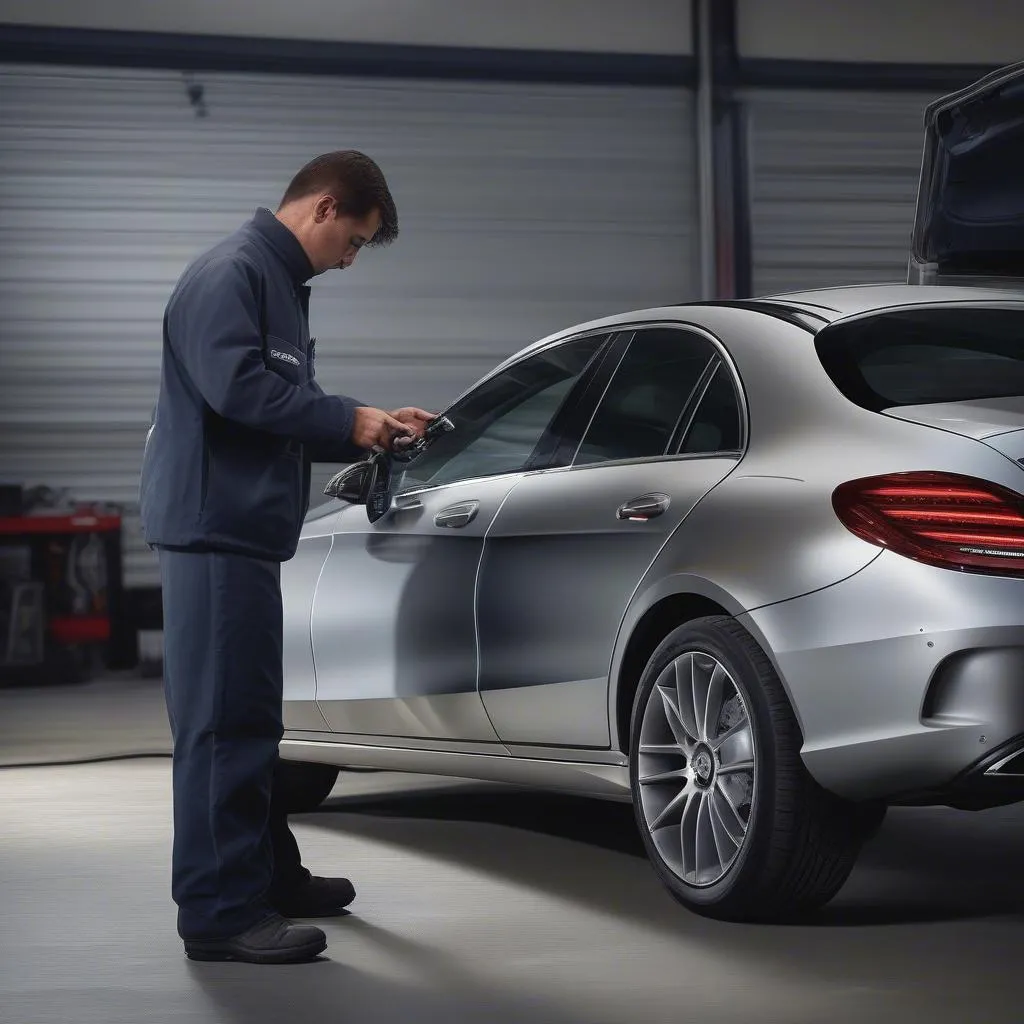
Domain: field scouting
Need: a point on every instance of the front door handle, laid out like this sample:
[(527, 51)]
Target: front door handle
[(454, 517), (643, 507)]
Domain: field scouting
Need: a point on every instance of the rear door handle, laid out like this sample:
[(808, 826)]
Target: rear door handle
[(644, 507), (454, 517)]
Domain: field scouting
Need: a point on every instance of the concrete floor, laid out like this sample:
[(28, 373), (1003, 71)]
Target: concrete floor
[(476, 903), (116, 716)]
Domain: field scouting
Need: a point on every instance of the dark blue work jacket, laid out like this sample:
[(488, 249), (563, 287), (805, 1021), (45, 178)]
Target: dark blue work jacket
[(239, 416)]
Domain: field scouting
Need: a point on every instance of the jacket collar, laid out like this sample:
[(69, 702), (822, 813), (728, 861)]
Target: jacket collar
[(284, 245)]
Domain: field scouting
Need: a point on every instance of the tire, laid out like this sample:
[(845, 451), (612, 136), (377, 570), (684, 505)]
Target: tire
[(301, 787), (798, 843)]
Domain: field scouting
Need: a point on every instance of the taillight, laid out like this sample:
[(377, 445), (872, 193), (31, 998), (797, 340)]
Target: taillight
[(943, 519)]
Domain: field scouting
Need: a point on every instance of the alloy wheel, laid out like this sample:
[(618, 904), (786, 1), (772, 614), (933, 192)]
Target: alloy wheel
[(697, 768)]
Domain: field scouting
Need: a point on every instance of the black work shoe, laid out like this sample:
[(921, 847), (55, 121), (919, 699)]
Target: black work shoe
[(273, 941), (316, 897)]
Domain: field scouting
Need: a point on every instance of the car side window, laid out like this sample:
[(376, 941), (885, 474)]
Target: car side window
[(499, 425), (717, 425), (653, 387)]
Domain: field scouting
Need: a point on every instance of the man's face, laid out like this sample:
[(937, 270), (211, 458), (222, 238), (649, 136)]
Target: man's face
[(341, 236)]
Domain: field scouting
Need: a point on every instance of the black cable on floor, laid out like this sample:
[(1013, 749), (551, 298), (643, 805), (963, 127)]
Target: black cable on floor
[(99, 759)]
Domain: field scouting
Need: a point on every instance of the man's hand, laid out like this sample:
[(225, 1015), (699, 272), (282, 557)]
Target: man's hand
[(376, 427), (415, 418)]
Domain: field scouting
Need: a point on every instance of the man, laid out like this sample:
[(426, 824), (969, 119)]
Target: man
[(224, 490)]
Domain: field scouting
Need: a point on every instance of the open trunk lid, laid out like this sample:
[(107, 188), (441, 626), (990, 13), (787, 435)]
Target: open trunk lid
[(969, 226)]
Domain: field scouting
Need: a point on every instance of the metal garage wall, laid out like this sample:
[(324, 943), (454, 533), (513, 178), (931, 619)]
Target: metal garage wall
[(833, 182), (908, 32), (524, 208), (601, 26)]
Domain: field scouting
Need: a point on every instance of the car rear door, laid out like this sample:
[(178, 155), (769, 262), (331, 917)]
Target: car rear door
[(393, 621), (569, 545), (970, 206)]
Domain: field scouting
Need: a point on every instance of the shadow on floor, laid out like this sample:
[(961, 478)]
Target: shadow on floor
[(926, 865), (426, 987)]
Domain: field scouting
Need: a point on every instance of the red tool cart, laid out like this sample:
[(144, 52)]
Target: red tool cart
[(63, 596)]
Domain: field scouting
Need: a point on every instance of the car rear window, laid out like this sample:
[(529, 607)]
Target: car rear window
[(926, 356)]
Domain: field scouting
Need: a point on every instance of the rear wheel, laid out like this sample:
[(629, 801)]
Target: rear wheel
[(735, 826), (301, 787)]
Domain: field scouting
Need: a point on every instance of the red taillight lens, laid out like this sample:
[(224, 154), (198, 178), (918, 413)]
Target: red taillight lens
[(943, 519)]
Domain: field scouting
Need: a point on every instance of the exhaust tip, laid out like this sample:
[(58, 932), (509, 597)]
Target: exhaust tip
[(1011, 765)]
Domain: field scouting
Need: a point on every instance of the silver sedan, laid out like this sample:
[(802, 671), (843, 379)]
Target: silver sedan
[(756, 566)]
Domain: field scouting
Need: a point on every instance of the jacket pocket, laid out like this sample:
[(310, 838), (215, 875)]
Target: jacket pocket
[(253, 493)]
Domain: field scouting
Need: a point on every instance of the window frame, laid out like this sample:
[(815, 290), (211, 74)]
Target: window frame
[(548, 446), (720, 361), (718, 366)]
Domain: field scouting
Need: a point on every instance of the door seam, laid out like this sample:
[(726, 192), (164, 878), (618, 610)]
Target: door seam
[(476, 608), (312, 648)]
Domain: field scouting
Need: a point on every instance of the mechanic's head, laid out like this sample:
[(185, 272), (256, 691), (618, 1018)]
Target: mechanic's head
[(335, 205)]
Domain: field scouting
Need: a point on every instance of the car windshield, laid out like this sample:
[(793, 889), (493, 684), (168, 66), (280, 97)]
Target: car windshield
[(926, 356)]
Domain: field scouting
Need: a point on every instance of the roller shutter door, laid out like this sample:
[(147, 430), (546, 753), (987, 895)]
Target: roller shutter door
[(833, 185), (524, 208)]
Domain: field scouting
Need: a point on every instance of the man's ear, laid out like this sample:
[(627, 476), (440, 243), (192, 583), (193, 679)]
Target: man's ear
[(322, 210)]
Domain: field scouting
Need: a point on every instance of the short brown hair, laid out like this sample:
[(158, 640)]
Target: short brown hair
[(356, 182)]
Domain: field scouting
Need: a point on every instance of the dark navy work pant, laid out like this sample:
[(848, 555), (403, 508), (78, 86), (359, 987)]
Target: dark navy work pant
[(223, 685)]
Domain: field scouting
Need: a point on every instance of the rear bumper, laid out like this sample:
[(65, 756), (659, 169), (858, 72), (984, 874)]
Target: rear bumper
[(907, 681), (994, 780)]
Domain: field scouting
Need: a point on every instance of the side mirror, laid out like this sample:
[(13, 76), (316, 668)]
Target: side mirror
[(351, 484)]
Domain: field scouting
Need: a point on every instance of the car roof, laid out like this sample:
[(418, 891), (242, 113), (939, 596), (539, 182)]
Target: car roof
[(823, 304), (815, 308)]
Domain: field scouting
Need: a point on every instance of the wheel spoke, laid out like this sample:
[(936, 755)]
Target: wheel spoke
[(688, 837), (707, 848), (736, 746), (738, 766), (662, 748), (732, 820), (675, 721), (684, 696), (675, 774), (725, 840), (674, 810), (709, 692)]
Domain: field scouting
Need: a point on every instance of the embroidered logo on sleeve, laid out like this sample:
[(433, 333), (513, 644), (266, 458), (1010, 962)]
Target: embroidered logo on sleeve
[(285, 357)]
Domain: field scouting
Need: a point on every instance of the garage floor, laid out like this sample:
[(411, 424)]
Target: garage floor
[(476, 903)]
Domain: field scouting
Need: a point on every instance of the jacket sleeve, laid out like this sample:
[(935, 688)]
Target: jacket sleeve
[(334, 451), (213, 329)]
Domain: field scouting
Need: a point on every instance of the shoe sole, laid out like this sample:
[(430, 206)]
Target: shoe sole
[(210, 952)]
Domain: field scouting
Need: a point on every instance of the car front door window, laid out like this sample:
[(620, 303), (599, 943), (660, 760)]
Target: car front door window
[(499, 425)]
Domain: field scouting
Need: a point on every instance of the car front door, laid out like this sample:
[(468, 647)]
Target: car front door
[(393, 621), (569, 545)]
